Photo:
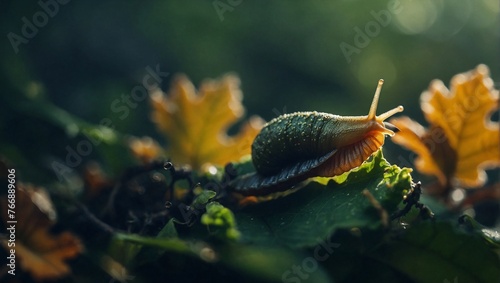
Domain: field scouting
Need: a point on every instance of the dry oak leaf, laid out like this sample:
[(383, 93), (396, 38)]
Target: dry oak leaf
[(195, 124), (462, 140), (38, 251)]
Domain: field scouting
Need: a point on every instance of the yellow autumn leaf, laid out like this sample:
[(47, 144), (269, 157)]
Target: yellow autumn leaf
[(462, 140), (37, 250), (195, 123)]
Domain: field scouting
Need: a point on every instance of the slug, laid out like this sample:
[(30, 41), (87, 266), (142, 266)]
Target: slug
[(294, 147)]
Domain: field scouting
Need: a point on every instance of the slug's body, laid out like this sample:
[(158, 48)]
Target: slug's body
[(295, 147)]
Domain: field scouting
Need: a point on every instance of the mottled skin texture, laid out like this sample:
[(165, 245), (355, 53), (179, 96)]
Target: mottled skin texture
[(300, 136), (289, 139)]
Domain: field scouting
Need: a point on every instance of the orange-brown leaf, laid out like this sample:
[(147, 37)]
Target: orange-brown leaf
[(95, 180), (145, 149), (196, 123), (40, 253), (462, 140), (435, 157)]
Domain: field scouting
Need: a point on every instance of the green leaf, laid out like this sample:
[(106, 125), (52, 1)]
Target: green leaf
[(203, 198), (71, 124), (274, 264), (244, 166), (222, 219), (325, 205), (105, 139), (491, 236), (173, 245), (123, 250), (268, 263), (151, 254), (168, 231), (435, 252)]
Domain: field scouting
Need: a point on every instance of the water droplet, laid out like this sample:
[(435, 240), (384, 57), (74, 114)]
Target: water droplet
[(168, 204), (141, 190), (212, 170), (208, 254), (157, 177), (458, 195), (168, 165)]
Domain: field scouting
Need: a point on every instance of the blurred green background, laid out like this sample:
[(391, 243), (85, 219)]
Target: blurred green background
[(288, 55)]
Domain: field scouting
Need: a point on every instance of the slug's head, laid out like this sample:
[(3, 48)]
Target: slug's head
[(360, 137), (377, 122)]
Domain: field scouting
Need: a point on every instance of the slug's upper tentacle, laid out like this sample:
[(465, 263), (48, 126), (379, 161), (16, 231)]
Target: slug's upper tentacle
[(372, 114)]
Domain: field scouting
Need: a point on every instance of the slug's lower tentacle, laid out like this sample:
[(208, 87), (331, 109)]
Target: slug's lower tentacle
[(382, 117)]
